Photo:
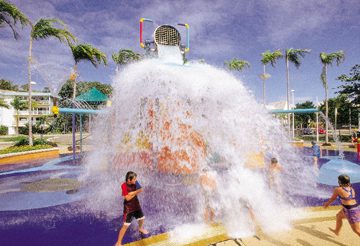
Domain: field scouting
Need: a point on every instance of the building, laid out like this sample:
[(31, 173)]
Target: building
[(42, 107)]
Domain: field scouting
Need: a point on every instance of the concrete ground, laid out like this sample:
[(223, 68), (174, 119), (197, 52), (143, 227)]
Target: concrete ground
[(310, 230)]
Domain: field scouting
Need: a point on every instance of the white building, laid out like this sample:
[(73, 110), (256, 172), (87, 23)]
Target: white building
[(8, 116)]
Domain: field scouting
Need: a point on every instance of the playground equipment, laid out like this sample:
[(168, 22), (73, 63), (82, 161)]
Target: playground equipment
[(80, 108), (166, 35)]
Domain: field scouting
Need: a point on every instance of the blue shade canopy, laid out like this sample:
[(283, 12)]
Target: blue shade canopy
[(92, 95), (330, 171)]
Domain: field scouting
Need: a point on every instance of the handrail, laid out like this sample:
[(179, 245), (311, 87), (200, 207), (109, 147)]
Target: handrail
[(187, 49), (142, 44)]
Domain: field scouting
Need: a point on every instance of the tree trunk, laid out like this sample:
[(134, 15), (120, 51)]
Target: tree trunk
[(287, 89), (74, 82), (264, 87), (29, 99), (17, 122), (326, 109)]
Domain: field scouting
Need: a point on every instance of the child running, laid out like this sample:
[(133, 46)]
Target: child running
[(350, 210), (132, 209)]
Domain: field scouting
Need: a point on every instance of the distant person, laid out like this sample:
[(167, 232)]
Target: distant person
[(208, 185), (132, 209), (350, 210), (274, 176), (316, 153)]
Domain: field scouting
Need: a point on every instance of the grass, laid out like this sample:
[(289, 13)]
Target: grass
[(16, 149), (12, 138)]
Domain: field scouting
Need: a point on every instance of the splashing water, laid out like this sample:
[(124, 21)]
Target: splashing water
[(335, 136), (54, 75), (168, 123)]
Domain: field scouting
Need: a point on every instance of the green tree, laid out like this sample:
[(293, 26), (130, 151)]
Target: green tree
[(43, 29), (86, 52), (3, 104), (326, 60), (268, 57), (66, 90), (18, 104), (237, 65), (8, 85), (11, 15), (24, 87), (125, 56), (302, 120), (351, 86)]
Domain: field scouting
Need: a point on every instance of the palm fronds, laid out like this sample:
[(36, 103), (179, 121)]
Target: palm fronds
[(125, 56), (271, 57), (328, 59), (88, 52), (11, 15), (294, 55), (237, 65), (44, 28)]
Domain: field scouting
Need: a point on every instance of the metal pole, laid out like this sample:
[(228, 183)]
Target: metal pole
[(73, 136), (335, 119), (293, 115), (317, 127), (349, 120), (81, 131)]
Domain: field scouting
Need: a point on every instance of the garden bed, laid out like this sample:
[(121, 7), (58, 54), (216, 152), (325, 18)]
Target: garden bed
[(40, 152)]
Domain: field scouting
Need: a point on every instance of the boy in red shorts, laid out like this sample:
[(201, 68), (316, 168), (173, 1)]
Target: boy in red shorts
[(132, 209)]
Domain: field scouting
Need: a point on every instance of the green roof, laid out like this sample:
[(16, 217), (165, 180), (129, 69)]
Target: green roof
[(92, 95)]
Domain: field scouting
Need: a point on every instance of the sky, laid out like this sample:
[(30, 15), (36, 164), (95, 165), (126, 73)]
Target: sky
[(219, 31)]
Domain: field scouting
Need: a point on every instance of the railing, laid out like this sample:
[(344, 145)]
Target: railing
[(34, 112)]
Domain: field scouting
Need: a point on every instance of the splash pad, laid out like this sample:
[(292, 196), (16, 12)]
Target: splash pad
[(168, 123)]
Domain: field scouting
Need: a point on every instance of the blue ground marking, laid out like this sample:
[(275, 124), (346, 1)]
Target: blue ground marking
[(330, 171)]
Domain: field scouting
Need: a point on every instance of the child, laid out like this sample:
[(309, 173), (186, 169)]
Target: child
[(316, 154), (274, 173), (350, 210), (132, 209), (208, 186)]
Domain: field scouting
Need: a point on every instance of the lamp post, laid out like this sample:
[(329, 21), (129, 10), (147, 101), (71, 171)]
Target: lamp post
[(293, 118)]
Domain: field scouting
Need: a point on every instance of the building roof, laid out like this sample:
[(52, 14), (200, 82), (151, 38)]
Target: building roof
[(277, 105), (92, 95), (23, 93)]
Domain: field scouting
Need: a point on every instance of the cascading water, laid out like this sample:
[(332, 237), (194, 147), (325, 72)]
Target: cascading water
[(168, 122)]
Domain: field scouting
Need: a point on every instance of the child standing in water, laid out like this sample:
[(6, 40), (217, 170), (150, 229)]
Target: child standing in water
[(316, 154), (274, 175), (132, 209), (350, 210), (208, 185)]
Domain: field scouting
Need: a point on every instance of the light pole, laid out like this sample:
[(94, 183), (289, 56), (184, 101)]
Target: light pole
[(293, 118)]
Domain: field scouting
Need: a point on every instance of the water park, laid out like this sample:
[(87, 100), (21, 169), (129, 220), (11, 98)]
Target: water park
[(208, 163)]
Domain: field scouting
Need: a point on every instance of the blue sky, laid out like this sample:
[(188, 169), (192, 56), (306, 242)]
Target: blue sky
[(219, 31)]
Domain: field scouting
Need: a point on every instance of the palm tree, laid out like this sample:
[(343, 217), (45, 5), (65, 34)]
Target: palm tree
[(3, 104), (125, 56), (44, 28), (326, 60), (237, 65), (10, 15), (17, 105), (268, 57), (293, 56), (89, 53)]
